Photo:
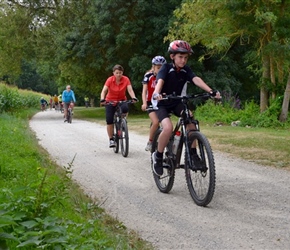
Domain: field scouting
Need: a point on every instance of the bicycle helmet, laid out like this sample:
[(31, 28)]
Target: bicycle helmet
[(179, 46), (158, 60)]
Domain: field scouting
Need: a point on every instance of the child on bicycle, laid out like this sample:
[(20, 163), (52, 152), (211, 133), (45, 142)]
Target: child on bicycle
[(172, 79), (114, 90), (149, 83)]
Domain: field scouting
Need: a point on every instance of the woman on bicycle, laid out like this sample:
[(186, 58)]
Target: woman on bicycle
[(114, 90), (172, 78), (149, 83)]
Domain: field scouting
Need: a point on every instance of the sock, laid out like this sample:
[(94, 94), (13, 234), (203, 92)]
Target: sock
[(159, 155), (193, 151)]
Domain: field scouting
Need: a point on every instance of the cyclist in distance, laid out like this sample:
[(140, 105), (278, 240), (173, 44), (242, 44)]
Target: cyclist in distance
[(43, 103), (149, 83), (68, 97), (114, 90), (172, 79), (55, 100)]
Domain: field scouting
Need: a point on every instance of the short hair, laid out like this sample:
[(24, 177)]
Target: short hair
[(118, 67)]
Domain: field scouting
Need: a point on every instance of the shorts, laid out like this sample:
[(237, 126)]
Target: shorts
[(110, 111), (165, 110), (66, 105)]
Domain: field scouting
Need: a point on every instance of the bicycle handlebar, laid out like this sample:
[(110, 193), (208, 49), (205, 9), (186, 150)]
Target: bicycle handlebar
[(114, 103), (186, 97)]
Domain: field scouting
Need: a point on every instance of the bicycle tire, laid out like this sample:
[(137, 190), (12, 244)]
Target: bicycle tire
[(124, 139), (116, 137), (165, 182), (200, 179), (69, 116)]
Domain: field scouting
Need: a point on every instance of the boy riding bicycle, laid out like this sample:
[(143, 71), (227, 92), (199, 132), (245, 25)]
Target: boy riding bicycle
[(172, 79)]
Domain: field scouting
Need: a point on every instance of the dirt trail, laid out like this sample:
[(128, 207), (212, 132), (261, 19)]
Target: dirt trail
[(250, 208)]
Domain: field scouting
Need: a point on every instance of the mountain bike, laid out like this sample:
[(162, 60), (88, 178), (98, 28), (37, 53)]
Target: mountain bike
[(121, 134), (199, 172)]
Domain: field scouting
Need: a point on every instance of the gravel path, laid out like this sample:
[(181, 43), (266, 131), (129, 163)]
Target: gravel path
[(250, 208)]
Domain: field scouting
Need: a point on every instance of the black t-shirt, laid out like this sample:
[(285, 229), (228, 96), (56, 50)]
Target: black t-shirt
[(174, 81)]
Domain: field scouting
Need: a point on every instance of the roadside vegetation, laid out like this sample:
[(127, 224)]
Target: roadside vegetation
[(40, 206)]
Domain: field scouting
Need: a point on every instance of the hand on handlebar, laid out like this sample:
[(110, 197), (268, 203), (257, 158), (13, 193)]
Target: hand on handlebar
[(216, 94)]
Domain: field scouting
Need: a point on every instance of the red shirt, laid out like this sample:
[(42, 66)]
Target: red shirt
[(117, 92)]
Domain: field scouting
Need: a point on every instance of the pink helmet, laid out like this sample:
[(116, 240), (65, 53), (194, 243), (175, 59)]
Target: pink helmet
[(179, 46)]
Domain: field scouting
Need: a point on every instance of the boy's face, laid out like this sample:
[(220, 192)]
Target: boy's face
[(156, 69), (179, 59)]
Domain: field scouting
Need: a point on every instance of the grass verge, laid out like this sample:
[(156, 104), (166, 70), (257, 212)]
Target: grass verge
[(267, 146), (41, 207)]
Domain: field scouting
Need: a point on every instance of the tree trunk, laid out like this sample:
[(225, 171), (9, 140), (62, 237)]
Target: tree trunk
[(264, 96), (285, 105), (273, 79)]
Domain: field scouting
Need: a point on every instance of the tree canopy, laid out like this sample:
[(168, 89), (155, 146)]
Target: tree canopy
[(241, 47)]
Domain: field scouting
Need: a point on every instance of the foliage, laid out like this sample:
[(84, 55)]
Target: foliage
[(225, 113), (13, 100)]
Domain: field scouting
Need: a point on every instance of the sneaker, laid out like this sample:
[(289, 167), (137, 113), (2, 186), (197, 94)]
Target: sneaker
[(112, 144), (65, 120), (157, 165), (148, 146), (198, 163)]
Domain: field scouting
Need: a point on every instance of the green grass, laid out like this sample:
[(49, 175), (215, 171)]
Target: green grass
[(40, 206), (268, 146)]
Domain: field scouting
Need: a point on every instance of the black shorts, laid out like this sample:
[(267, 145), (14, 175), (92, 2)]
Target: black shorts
[(110, 111), (165, 110)]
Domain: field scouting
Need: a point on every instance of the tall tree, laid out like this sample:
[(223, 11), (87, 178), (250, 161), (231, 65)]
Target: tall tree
[(261, 23)]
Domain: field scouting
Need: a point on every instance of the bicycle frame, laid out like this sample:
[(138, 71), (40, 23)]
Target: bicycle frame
[(181, 126), (198, 164), (121, 134)]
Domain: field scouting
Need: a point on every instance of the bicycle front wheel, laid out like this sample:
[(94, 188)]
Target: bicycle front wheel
[(69, 116), (116, 137), (200, 169), (165, 182), (124, 139)]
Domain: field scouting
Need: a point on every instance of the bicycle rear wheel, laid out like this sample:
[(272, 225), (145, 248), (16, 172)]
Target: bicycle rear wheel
[(200, 172), (124, 139), (116, 137), (165, 182)]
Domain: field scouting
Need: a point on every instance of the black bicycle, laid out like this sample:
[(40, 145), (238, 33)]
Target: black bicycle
[(121, 134), (199, 169)]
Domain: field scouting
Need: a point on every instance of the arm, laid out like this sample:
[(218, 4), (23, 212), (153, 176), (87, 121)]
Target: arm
[(104, 92), (158, 89), (131, 91), (144, 93), (201, 84), (73, 96)]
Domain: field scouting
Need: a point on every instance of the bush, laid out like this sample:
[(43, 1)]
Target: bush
[(249, 116), (12, 99)]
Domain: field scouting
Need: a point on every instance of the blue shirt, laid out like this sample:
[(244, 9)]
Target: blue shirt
[(68, 96)]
